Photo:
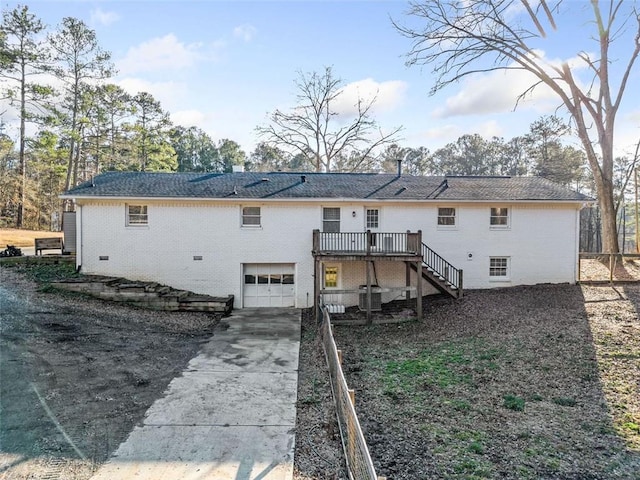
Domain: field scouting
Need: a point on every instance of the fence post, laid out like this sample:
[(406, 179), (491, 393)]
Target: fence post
[(352, 396), (351, 433), (611, 268)]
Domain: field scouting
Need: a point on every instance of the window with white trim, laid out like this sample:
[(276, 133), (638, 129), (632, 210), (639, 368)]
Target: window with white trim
[(331, 220), (330, 276), (499, 268), (137, 215), (446, 217), (373, 218), (250, 216), (499, 217)]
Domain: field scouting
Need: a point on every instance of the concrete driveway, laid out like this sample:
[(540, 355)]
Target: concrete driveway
[(230, 415)]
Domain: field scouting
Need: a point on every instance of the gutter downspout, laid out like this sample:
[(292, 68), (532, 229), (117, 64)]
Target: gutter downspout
[(78, 237), (576, 262)]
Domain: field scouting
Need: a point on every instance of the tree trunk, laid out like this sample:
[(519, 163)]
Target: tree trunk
[(608, 214), (23, 158)]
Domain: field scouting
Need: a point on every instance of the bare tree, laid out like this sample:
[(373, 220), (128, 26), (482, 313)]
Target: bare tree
[(463, 38), (316, 130)]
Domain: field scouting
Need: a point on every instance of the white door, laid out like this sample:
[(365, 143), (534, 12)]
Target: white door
[(372, 223), (269, 285)]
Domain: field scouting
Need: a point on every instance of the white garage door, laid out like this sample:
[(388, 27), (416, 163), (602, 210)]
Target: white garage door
[(269, 285)]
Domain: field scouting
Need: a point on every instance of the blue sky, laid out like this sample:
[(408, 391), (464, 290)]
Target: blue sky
[(224, 65)]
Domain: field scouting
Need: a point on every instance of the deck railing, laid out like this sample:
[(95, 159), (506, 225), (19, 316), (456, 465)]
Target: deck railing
[(367, 243), (442, 268)]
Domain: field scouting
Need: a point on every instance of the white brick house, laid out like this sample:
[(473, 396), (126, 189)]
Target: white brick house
[(252, 234)]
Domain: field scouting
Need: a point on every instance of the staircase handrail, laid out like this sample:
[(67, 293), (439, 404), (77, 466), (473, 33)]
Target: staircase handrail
[(441, 267)]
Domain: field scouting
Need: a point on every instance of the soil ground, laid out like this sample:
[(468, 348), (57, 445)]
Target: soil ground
[(77, 374), (539, 382)]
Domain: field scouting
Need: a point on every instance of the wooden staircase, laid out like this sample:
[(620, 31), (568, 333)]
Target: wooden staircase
[(441, 274)]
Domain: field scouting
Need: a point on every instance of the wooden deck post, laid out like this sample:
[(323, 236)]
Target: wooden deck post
[(316, 288), (419, 289), (407, 294), (419, 278), (369, 316)]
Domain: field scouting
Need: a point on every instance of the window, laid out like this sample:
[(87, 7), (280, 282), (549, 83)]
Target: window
[(250, 216), (137, 215), (373, 218), (330, 277), (331, 220), (446, 217), (499, 217), (499, 268)]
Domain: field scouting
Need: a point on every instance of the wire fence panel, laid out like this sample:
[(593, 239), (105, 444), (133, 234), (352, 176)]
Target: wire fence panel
[(359, 463)]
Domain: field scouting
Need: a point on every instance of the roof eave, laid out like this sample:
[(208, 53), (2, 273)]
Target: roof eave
[(236, 199)]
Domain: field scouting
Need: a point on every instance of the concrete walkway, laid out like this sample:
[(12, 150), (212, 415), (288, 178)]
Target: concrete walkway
[(230, 415)]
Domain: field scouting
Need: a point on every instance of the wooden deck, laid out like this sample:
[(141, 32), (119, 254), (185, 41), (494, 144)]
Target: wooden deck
[(376, 245)]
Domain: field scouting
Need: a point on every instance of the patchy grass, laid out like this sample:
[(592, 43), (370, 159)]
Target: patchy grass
[(518, 383), (43, 273), (513, 403), (23, 238)]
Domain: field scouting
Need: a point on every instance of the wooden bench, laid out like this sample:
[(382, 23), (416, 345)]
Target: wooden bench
[(51, 243)]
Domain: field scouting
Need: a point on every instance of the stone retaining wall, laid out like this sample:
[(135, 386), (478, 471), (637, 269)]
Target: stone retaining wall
[(146, 294)]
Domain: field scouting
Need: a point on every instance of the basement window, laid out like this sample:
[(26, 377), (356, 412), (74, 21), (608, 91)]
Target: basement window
[(137, 215), (499, 268)]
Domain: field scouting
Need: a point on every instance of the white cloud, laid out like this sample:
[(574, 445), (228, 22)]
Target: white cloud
[(100, 17), (495, 92), (489, 129), (388, 95), (245, 32), (442, 133), (498, 91), (162, 53), (189, 118), (169, 94)]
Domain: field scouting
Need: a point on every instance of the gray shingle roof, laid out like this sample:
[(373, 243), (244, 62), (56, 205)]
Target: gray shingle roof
[(277, 185)]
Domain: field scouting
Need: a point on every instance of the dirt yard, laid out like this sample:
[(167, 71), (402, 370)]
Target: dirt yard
[(535, 382), (78, 374), (525, 383)]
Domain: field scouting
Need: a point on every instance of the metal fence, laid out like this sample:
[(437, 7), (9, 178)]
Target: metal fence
[(359, 462)]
